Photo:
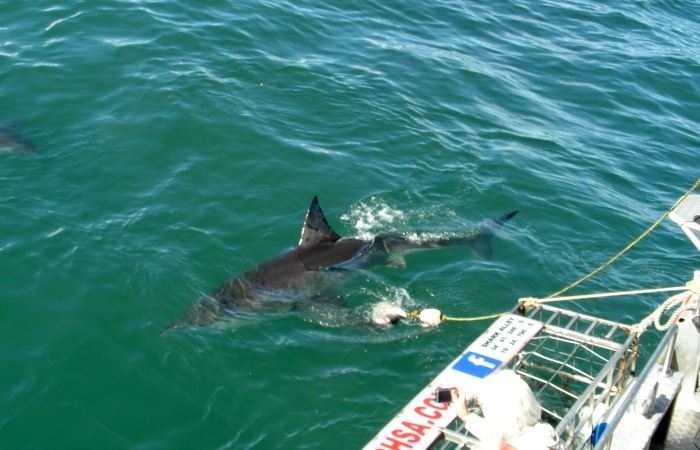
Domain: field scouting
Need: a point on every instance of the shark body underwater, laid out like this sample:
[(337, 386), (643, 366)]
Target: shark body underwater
[(299, 278), (13, 141)]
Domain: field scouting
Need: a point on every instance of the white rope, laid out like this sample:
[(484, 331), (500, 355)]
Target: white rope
[(682, 302), (529, 302), (610, 294)]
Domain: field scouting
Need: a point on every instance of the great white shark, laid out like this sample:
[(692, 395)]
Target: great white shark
[(299, 278), (12, 140)]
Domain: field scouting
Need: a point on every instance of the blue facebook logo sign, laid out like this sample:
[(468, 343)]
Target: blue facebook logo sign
[(477, 365)]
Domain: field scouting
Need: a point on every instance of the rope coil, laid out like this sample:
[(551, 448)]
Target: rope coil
[(682, 302)]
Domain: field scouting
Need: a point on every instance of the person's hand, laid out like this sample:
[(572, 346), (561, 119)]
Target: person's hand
[(506, 446), (454, 392)]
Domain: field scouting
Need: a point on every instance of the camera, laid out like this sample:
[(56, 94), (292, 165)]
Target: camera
[(443, 396)]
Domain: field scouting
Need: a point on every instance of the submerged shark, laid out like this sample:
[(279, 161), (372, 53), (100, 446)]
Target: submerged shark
[(12, 140), (300, 277)]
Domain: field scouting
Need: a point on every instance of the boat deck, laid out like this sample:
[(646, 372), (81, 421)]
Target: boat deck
[(684, 432), (637, 430)]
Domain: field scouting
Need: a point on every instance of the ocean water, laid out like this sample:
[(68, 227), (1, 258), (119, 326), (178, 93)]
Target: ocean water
[(179, 143)]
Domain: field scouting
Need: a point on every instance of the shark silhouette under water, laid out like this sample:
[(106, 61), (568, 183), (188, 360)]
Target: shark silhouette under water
[(14, 141), (300, 276)]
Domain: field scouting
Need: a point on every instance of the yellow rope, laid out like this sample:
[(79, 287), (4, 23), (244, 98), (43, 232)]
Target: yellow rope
[(629, 246), (413, 314), (416, 315), (471, 319)]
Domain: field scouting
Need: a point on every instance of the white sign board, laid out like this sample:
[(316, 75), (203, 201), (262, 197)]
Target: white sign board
[(414, 427)]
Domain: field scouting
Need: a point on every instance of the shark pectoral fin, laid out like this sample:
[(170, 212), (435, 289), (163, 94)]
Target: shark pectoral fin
[(481, 245), (397, 261)]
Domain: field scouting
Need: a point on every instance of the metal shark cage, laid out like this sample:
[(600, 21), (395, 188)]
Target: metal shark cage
[(576, 363), (583, 372), (576, 366)]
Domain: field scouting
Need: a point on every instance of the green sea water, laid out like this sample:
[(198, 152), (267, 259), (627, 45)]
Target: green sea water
[(179, 143)]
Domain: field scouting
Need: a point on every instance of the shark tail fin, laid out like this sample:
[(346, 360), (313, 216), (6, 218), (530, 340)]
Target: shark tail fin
[(481, 246)]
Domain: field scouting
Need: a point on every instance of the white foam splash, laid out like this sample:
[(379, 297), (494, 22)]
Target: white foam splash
[(368, 219), (428, 236)]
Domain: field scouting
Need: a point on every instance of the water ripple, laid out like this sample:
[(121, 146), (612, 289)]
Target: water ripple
[(179, 144)]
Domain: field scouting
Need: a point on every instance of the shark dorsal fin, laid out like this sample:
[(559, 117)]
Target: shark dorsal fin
[(316, 228)]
